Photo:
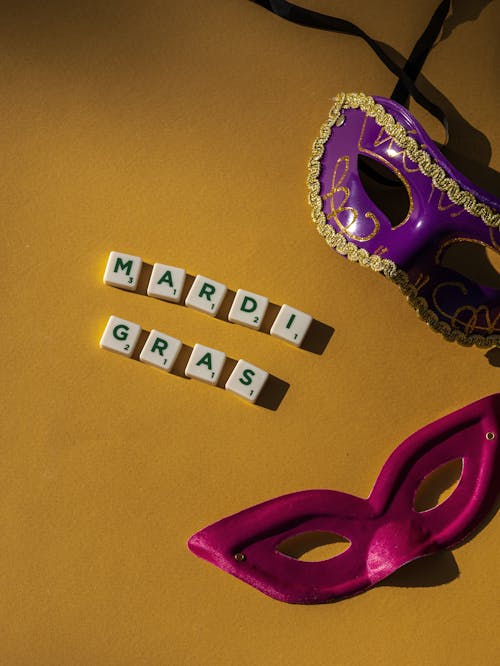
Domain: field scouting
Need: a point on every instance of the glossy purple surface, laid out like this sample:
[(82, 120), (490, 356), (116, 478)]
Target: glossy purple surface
[(385, 530), (416, 245)]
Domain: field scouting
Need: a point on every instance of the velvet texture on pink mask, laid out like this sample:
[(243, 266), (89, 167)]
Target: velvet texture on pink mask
[(444, 208), (385, 531)]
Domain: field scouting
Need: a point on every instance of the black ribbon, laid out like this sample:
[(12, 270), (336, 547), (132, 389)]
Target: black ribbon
[(407, 76)]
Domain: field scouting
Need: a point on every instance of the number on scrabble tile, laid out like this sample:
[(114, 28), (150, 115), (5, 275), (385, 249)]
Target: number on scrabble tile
[(123, 270), (167, 282), (248, 309), (120, 336), (291, 325)]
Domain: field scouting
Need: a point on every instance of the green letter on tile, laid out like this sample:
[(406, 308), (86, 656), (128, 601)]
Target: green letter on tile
[(120, 332), (121, 265), (247, 375), (166, 277), (206, 360), (159, 345), (207, 290), (249, 304)]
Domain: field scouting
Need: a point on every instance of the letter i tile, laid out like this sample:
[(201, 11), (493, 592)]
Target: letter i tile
[(291, 325)]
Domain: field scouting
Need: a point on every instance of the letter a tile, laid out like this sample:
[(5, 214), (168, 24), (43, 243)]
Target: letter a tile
[(166, 282), (205, 364)]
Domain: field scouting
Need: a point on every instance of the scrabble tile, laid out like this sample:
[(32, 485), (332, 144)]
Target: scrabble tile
[(120, 336), (166, 282), (205, 364), (247, 380), (291, 325), (206, 295), (160, 350), (122, 270), (248, 309)]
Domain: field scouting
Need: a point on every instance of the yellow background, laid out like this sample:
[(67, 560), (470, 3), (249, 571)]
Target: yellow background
[(180, 131)]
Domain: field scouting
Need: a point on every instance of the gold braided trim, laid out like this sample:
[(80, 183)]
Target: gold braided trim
[(428, 167)]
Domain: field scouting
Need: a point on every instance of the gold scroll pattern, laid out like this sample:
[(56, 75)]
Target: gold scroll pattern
[(382, 138), (494, 242), (467, 316), (421, 281), (442, 206), (339, 174)]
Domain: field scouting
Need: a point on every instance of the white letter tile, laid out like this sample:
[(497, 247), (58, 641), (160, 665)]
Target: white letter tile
[(291, 325), (248, 309), (120, 336), (205, 364), (247, 380), (123, 270), (166, 282), (160, 350), (206, 295)]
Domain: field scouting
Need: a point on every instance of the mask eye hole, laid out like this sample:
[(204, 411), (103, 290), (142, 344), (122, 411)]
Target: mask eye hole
[(474, 261), (385, 189), (438, 486), (315, 546)]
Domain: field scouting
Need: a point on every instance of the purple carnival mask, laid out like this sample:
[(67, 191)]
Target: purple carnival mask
[(385, 530), (444, 208)]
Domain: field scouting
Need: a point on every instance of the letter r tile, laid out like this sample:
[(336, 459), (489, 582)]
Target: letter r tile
[(206, 295), (248, 309), (161, 350)]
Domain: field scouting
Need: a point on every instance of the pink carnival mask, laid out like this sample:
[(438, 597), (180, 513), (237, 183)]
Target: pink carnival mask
[(385, 531)]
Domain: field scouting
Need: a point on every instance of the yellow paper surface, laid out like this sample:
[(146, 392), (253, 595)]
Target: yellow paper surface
[(180, 132)]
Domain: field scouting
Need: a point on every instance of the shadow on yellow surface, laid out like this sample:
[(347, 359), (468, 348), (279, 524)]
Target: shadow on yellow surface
[(272, 393), (317, 337)]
